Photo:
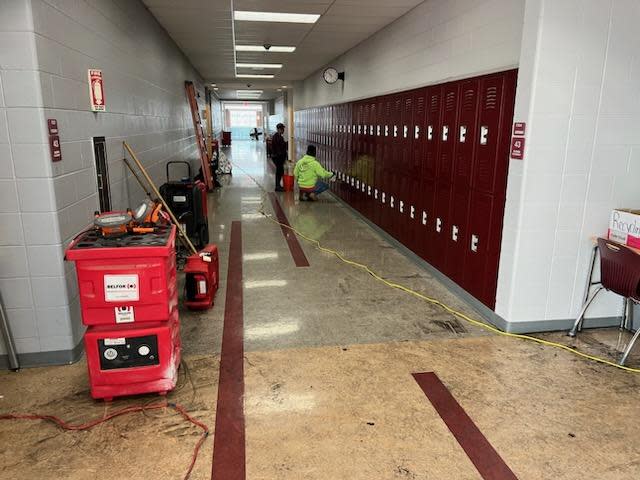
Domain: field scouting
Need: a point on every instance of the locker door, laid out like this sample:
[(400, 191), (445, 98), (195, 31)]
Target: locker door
[(458, 231), (486, 163), (447, 133), (378, 162), (395, 224), (415, 196), (479, 268), (429, 169), (387, 163)]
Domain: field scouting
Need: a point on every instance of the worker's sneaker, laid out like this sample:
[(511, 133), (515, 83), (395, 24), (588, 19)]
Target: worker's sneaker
[(302, 197), (279, 189), (312, 197)]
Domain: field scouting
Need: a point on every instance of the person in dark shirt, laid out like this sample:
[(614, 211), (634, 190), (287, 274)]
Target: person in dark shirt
[(279, 154)]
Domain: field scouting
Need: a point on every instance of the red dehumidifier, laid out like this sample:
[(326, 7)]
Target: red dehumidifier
[(132, 359), (201, 278)]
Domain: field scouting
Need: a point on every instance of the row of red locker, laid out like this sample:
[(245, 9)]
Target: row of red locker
[(429, 166)]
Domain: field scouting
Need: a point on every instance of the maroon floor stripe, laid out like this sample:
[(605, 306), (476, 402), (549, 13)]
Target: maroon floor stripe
[(229, 443), (486, 460), (292, 240)]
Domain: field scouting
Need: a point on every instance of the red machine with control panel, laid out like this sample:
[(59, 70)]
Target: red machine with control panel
[(129, 300), (133, 359)]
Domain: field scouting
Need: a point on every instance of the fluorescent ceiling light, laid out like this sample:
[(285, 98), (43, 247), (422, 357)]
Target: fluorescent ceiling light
[(250, 91), (261, 48), (275, 17), (258, 65), (255, 75)]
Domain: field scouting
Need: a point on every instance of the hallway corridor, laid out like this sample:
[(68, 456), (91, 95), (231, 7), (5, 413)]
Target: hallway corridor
[(324, 388)]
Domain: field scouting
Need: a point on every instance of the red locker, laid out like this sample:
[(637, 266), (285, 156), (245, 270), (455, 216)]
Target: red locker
[(415, 192), (465, 135), (429, 169), (447, 132)]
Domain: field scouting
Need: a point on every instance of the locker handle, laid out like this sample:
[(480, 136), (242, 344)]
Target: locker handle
[(445, 133), (416, 131), (384, 197), (424, 217), (484, 133), (395, 131), (406, 131), (463, 134), (391, 201), (371, 130), (412, 214), (378, 130), (438, 225), (99, 181), (430, 132), (454, 233), (376, 194), (369, 190), (474, 243), (386, 130), (364, 187), (401, 206)]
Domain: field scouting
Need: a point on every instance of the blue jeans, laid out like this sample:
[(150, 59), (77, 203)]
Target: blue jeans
[(318, 188)]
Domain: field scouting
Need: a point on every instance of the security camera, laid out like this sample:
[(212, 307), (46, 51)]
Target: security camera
[(267, 46), (248, 85)]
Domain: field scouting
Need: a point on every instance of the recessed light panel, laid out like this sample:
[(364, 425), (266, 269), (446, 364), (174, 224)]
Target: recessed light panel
[(258, 65), (257, 75), (261, 48), (240, 15)]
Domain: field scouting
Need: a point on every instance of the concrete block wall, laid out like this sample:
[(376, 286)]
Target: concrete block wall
[(579, 92), (436, 41), (46, 48)]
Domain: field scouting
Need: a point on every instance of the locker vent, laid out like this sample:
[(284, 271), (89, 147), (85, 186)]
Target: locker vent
[(450, 102), (468, 100), (491, 98), (435, 101)]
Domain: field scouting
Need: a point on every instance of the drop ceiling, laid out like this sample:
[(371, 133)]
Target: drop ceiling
[(203, 30)]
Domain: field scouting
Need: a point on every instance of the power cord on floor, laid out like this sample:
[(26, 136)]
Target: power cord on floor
[(318, 246), (118, 413)]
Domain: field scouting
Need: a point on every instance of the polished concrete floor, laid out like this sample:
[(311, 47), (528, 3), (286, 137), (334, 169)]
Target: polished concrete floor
[(329, 353)]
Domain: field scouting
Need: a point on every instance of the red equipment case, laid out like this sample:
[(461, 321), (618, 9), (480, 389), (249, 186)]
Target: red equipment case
[(201, 279), (126, 279), (132, 359)]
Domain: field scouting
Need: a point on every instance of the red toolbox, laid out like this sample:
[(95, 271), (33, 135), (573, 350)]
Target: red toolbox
[(201, 278), (128, 279), (133, 359)]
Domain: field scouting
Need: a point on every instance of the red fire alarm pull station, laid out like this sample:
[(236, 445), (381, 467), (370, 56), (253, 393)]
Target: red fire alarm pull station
[(96, 90)]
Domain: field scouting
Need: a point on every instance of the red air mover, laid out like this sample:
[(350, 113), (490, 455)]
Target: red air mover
[(126, 279), (134, 358), (201, 278)]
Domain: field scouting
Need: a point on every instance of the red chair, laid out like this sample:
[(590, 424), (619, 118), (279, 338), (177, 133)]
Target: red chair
[(619, 273)]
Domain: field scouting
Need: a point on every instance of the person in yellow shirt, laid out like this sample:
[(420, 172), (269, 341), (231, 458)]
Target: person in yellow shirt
[(310, 175)]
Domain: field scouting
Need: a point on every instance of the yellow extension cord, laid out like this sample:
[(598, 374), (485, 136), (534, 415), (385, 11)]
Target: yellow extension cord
[(430, 300)]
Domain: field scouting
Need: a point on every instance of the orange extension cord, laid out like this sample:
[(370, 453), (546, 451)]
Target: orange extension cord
[(124, 411)]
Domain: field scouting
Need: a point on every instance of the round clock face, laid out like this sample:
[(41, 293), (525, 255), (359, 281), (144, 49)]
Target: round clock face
[(330, 75)]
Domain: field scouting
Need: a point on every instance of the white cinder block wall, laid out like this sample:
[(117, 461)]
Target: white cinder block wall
[(436, 41), (46, 48), (579, 91)]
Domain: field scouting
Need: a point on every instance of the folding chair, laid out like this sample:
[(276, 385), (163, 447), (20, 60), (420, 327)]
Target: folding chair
[(619, 273)]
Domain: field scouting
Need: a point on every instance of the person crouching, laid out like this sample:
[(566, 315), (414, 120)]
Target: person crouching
[(310, 175)]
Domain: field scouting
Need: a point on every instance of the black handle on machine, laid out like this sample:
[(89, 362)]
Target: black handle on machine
[(179, 161)]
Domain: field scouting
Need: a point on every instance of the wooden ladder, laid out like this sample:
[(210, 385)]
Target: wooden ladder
[(200, 139)]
